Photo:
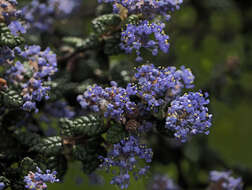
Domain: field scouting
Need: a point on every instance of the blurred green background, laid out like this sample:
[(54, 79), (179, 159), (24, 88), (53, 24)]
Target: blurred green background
[(214, 39)]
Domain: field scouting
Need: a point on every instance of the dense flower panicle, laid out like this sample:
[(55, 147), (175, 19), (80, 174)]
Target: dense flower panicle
[(125, 156), (158, 86), (37, 69), (188, 115), (10, 15), (40, 16), (113, 101), (135, 37), (38, 180), (2, 185), (138, 36), (162, 182), (148, 8), (154, 86), (224, 181)]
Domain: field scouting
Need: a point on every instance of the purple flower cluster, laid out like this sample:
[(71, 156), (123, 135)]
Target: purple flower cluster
[(113, 101), (38, 180), (2, 185), (148, 8), (125, 156), (154, 86), (32, 75), (40, 16), (158, 86), (188, 115), (162, 182), (224, 181), (135, 37), (16, 27), (10, 15)]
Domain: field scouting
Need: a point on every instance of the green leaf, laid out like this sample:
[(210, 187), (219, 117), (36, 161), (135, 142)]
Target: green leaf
[(11, 98), (89, 125), (49, 146), (66, 126), (4, 180), (27, 165), (90, 42), (106, 23), (83, 126), (115, 134), (88, 154), (56, 163), (27, 138)]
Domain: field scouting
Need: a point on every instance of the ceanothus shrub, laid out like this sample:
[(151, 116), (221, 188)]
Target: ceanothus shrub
[(52, 113)]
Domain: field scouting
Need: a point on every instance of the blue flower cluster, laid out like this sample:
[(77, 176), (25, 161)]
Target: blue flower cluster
[(10, 15), (32, 75), (155, 88), (224, 180), (139, 35), (149, 8), (188, 115), (158, 86), (2, 185), (125, 155), (36, 67), (38, 180), (162, 182), (113, 101), (135, 37), (40, 16)]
